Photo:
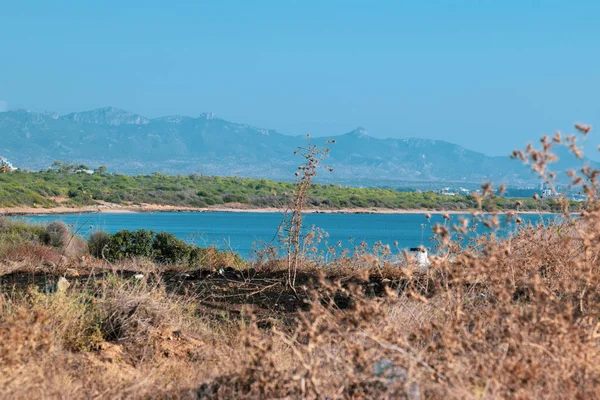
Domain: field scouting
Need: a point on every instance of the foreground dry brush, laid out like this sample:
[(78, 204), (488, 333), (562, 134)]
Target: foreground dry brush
[(520, 319), (514, 316)]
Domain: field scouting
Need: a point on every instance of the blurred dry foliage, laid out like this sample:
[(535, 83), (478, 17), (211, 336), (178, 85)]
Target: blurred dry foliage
[(514, 316)]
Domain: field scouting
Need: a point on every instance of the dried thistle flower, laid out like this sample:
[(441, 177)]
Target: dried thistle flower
[(585, 129)]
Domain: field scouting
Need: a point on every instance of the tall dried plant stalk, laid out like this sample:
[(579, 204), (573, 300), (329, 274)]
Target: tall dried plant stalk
[(313, 156)]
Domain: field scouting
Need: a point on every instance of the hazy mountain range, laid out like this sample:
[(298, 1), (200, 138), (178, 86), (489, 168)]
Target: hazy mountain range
[(130, 143)]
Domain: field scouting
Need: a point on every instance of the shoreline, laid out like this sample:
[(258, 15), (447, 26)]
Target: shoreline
[(154, 208)]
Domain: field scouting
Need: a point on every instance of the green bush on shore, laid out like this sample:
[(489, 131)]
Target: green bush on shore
[(163, 248)]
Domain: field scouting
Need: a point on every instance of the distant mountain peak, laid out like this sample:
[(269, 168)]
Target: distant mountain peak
[(30, 115), (177, 119), (50, 114), (107, 115), (207, 115), (359, 132), (183, 144)]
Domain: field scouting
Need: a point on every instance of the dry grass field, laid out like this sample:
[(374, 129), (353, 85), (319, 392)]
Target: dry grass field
[(517, 317)]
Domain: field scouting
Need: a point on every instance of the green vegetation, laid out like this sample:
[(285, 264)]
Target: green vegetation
[(14, 232), (163, 248), (68, 188), (16, 235)]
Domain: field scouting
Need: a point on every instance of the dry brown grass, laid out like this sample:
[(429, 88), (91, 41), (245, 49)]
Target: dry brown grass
[(109, 338), (512, 318), (517, 319)]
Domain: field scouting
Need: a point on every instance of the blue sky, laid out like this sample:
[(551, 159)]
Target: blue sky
[(489, 75)]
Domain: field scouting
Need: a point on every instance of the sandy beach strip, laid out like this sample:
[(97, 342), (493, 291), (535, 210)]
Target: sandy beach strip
[(148, 208)]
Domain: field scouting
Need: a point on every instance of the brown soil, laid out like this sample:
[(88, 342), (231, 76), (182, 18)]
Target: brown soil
[(230, 291)]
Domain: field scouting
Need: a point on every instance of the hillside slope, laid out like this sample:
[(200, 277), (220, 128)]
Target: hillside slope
[(130, 143)]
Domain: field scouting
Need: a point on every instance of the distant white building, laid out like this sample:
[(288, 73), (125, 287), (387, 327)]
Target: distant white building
[(546, 192), (446, 192)]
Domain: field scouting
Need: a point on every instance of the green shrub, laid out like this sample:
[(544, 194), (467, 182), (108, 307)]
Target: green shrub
[(164, 248), (161, 247), (128, 244), (167, 249), (234, 198), (97, 242), (197, 203)]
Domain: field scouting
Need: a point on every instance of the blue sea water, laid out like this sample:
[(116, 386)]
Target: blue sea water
[(240, 231)]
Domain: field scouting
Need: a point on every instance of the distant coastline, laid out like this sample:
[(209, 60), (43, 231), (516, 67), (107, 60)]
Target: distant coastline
[(236, 208)]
